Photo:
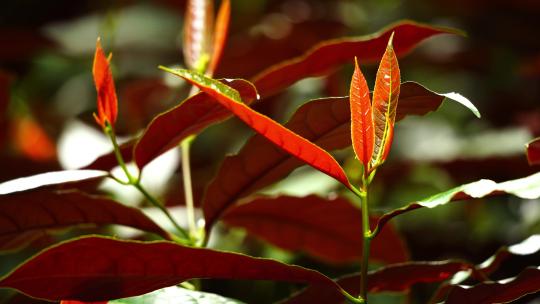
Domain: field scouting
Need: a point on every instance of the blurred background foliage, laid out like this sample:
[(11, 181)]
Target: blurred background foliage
[(47, 99)]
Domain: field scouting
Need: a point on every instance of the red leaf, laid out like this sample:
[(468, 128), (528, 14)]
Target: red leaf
[(168, 129), (533, 152), (503, 291), (99, 269), (330, 54), (197, 31), (385, 102), (325, 122), (107, 103), (79, 302), (361, 118), (329, 229), (39, 210), (108, 161), (220, 35), (32, 140), (282, 137)]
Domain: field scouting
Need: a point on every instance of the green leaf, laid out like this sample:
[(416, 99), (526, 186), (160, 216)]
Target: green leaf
[(177, 295)]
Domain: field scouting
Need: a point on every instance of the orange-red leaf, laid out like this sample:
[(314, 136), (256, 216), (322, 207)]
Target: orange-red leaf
[(100, 268), (284, 138), (107, 103), (220, 35), (326, 228), (533, 152), (197, 31), (385, 101), (361, 118)]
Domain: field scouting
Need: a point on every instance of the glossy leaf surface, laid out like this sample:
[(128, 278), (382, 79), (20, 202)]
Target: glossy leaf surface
[(330, 54), (41, 210), (220, 35), (385, 102), (527, 188), (177, 295), (107, 103), (324, 228), (55, 179), (361, 118), (198, 25), (194, 114), (325, 122), (533, 152), (100, 268)]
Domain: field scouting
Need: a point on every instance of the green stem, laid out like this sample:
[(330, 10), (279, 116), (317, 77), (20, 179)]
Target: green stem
[(366, 235), (186, 174)]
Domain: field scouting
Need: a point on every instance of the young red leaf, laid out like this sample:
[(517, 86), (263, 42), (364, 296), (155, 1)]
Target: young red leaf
[(330, 54), (287, 140), (533, 152), (503, 291), (385, 101), (527, 188), (193, 115), (107, 103), (220, 35), (325, 122), (323, 228), (361, 118), (198, 31), (40, 210), (99, 269)]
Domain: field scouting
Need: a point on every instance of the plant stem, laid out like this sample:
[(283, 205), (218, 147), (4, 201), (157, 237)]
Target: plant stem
[(366, 235), (188, 192)]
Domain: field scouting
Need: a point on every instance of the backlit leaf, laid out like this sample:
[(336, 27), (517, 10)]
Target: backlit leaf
[(58, 179), (324, 228), (220, 35), (361, 118), (533, 152), (330, 54), (177, 295), (194, 114), (198, 24), (107, 103), (385, 102), (100, 268)]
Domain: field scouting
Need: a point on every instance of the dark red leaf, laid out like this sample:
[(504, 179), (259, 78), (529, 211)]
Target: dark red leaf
[(361, 118), (168, 129), (327, 55), (40, 210), (107, 103), (108, 161), (79, 302), (198, 31), (504, 291), (329, 229), (99, 269), (385, 103), (325, 122), (220, 35), (533, 152)]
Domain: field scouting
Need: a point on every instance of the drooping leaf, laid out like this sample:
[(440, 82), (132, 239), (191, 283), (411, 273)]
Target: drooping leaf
[(220, 35), (99, 268), (324, 228), (533, 151), (385, 102), (330, 54), (168, 129), (325, 122), (41, 210), (282, 137), (527, 188), (107, 103), (198, 25), (177, 295), (361, 118), (503, 291)]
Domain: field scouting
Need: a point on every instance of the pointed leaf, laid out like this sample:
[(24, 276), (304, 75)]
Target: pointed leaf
[(527, 188), (385, 101), (325, 122), (198, 31), (107, 103), (220, 35), (533, 151), (177, 295), (194, 114), (324, 228), (99, 268), (282, 137), (330, 54), (502, 291), (361, 118), (39, 210)]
